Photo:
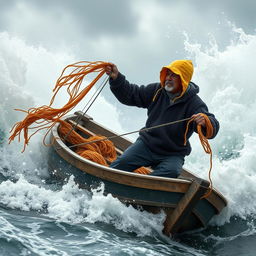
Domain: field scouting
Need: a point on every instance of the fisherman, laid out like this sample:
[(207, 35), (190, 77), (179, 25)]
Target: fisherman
[(174, 98)]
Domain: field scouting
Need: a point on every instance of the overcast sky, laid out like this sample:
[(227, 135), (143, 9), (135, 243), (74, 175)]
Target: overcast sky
[(132, 33), (140, 36)]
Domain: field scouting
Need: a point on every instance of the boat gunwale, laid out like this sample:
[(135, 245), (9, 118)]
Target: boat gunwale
[(62, 146), (59, 145)]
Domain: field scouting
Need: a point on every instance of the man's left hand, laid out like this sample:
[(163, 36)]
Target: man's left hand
[(199, 119)]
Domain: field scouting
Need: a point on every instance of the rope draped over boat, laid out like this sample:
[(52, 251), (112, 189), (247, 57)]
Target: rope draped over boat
[(96, 148)]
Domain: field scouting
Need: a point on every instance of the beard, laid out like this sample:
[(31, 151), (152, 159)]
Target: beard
[(169, 86)]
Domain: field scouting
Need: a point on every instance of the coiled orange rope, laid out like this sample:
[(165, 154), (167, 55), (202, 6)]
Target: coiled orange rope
[(95, 148), (204, 142), (99, 151)]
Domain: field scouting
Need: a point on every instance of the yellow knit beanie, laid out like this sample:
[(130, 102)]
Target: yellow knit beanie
[(183, 68)]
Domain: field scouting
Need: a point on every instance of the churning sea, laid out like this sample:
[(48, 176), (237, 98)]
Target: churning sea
[(40, 216)]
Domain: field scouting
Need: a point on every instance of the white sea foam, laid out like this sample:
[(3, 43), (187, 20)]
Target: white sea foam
[(74, 205), (226, 80)]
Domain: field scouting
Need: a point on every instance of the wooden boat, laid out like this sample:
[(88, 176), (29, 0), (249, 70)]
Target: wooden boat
[(179, 198)]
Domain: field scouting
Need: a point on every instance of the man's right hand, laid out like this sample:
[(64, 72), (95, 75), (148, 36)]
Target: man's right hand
[(112, 71)]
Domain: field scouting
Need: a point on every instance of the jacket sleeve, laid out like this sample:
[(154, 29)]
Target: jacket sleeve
[(201, 107), (132, 94)]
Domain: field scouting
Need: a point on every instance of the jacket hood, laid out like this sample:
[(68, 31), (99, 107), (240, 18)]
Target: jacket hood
[(192, 90), (183, 68)]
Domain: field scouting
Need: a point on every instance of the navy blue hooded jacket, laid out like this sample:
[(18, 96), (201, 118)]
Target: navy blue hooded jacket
[(167, 140)]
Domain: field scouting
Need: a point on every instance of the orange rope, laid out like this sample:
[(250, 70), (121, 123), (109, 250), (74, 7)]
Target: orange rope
[(45, 116), (204, 142), (142, 170), (93, 156), (99, 151)]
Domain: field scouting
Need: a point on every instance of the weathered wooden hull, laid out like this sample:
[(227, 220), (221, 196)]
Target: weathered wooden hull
[(179, 198)]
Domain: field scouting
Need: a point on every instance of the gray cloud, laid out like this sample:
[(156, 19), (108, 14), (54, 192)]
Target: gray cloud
[(84, 23), (241, 12), (110, 18), (94, 18)]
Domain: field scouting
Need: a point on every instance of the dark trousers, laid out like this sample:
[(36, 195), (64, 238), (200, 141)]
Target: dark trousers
[(138, 154)]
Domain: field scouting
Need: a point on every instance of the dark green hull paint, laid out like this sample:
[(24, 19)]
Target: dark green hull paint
[(203, 209)]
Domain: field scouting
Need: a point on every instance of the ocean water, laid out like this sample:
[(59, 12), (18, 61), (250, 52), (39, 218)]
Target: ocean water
[(39, 216)]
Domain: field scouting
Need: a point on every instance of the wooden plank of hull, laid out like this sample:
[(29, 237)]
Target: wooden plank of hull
[(175, 219), (215, 198)]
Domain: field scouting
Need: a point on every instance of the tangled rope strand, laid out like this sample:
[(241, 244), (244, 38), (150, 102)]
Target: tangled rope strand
[(47, 116), (97, 151), (96, 148), (205, 144)]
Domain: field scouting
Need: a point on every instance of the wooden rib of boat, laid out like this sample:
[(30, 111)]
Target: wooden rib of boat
[(180, 198)]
